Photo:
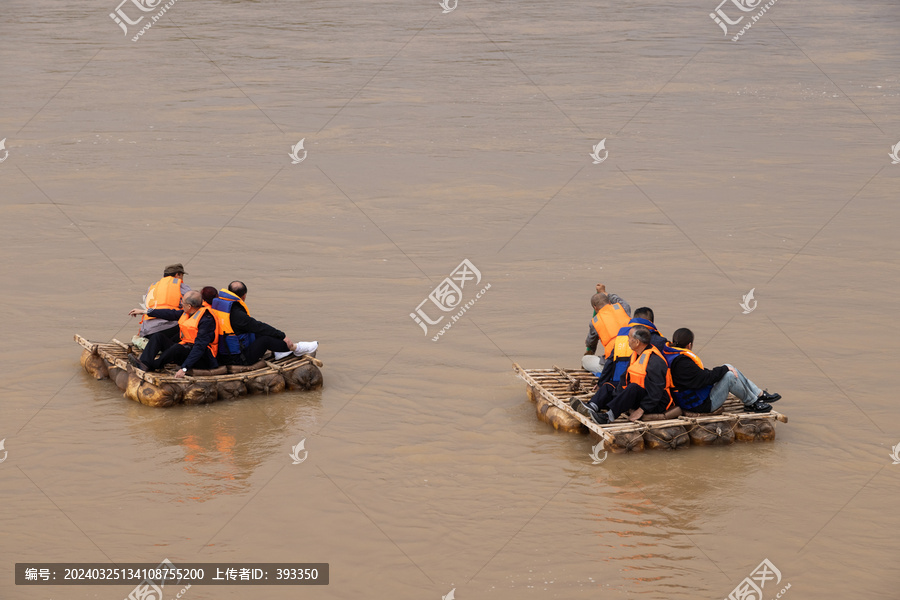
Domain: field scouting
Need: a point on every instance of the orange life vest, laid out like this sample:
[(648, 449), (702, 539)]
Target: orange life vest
[(221, 309), (165, 293), (223, 317), (637, 371), (189, 325), (688, 353), (686, 399), (608, 321), (621, 349)]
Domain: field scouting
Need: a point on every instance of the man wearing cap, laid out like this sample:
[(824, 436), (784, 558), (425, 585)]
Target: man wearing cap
[(166, 294)]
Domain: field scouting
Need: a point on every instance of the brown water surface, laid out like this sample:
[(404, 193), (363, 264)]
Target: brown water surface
[(433, 138)]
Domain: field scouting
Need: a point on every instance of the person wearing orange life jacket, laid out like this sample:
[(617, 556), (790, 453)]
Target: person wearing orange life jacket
[(165, 293), (198, 329), (621, 354), (646, 382), (610, 380), (244, 340), (611, 314), (705, 390)]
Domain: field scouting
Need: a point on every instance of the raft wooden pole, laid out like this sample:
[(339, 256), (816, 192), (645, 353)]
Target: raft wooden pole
[(604, 435), (90, 346), (312, 359), (579, 385), (778, 416), (122, 345)]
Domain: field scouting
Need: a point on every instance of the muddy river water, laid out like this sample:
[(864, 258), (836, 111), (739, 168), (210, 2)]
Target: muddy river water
[(431, 135)]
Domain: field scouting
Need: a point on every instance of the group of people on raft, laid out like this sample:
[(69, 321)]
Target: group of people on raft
[(205, 329), (641, 372)]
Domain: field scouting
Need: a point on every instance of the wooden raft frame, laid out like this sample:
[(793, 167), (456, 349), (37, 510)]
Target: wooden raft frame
[(557, 386), (116, 354)]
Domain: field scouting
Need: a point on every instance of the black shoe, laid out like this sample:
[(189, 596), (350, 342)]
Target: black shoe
[(767, 397), (600, 418), (582, 408), (136, 363), (758, 407)]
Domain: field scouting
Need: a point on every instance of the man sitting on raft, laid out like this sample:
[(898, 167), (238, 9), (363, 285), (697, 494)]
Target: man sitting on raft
[(165, 293), (646, 383), (705, 390), (245, 340), (611, 380), (611, 313), (199, 336)]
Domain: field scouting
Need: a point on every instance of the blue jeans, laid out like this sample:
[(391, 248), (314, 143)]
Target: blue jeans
[(740, 386)]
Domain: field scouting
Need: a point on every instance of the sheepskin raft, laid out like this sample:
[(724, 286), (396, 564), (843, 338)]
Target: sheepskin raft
[(552, 389), (163, 389)]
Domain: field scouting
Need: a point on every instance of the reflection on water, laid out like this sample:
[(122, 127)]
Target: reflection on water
[(217, 448), (652, 524)]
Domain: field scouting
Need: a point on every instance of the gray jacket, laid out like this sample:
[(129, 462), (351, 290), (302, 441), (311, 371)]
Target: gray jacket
[(151, 326)]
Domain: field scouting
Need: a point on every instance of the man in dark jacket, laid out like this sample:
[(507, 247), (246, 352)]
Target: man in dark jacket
[(266, 336), (611, 378), (197, 336), (644, 383), (705, 390), (646, 313)]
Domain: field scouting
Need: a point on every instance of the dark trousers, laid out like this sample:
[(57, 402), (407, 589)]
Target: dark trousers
[(603, 395), (254, 351), (178, 353), (630, 398), (258, 347), (159, 342)]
